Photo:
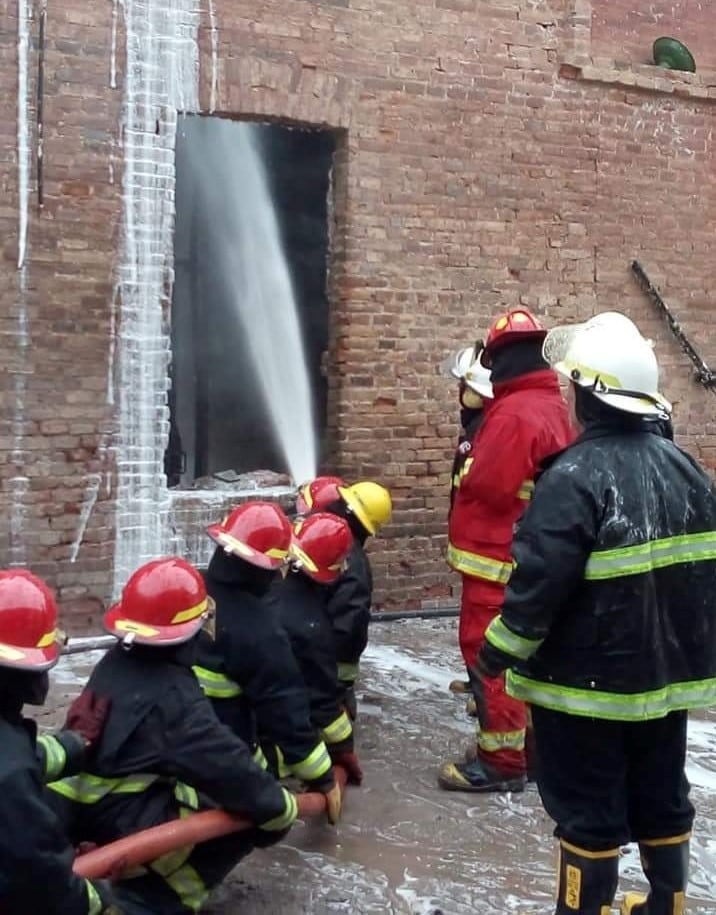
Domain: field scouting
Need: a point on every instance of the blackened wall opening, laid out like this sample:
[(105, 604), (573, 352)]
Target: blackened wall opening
[(219, 418)]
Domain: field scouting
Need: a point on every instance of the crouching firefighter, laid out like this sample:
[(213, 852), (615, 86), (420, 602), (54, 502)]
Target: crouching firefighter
[(163, 753), (366, 506), (319, 552), (35, 854), (608, 627), (249, 672)]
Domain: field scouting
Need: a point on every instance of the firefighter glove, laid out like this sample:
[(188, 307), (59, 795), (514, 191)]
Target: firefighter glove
[(491, 661), (334, 803), (349, 761), (87, 716)]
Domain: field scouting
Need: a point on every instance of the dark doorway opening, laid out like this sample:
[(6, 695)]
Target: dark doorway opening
[(219, 420)]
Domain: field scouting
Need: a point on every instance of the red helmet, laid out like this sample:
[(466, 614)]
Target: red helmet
[(321, 544), (163, 603), (317, 494), (258, 532), (517, 324), (29, 638)]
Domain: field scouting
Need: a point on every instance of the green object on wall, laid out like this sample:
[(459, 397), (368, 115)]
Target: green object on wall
[(673, 55)]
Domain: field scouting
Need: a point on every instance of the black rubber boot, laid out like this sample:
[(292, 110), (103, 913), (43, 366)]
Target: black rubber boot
[(587, 880), (666, 866), (473, 776)]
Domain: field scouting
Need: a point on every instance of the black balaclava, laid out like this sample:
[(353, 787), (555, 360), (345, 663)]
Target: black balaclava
[(21, 687), (592, 411), (232, 570), (515, 359), (340, 508)]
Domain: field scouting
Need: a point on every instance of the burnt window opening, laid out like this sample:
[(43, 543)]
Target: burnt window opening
[(219, 419)]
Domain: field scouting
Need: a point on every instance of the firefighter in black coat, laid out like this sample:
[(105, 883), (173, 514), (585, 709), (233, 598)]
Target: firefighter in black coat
[(249, 672), (319, 553), (35, 854), (366, 506), (609, 626), (163, 752)]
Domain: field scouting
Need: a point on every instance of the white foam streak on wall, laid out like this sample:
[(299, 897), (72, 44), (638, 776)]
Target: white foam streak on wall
[(88, 503), (23, 131), (162, 70), (214, 55), (113, 46)]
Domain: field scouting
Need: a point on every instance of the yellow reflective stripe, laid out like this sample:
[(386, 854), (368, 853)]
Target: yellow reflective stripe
[(595, 703), (283, 820), (283, 771), (493, 741), (216, 685), (502, 637), (338, 730), (189, 887), (94, 903), (590, 855), (259, 758), (526, 490), (55, 756), (186, 795), (89, 789), (316, 764), (670, 840), (191, 613), (655, 554), (347, 671), (465, 469), (478, 566), (187, 884)]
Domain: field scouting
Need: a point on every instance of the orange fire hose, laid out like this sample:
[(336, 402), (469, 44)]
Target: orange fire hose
[(150, 844)]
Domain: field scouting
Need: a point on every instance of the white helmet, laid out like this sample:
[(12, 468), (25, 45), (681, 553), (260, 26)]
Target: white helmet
[(466, 365), (608, 356)]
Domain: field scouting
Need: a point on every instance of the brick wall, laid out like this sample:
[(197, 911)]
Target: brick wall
[(490, 154)]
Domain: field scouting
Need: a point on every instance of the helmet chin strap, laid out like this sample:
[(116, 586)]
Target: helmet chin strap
[(599, 387)]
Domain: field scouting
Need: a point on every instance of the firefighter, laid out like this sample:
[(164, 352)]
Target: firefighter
[(366, 507), (250, 673), (475, 396), (609, 626), (526, 422), (317, 494), (36, 857), (163, 752), (319, 553)]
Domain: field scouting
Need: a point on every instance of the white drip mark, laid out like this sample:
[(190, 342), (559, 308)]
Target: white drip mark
[(88, 503)]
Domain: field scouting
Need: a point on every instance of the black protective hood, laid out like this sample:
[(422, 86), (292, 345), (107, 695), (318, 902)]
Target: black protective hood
[(227, 569), (21, 687), (515, 359)]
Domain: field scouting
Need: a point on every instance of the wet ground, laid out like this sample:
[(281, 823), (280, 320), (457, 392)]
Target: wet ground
[(404, 846)]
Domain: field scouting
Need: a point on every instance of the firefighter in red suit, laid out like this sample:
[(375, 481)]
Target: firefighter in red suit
[(527, 421)]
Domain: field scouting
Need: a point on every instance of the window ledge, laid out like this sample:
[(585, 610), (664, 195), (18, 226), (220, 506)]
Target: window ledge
[(646, 77)]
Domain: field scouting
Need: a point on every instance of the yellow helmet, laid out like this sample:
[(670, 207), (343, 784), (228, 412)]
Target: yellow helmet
[(370, 503)]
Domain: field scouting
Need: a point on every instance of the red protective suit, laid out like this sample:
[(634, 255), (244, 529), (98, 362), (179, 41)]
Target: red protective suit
[(527, 421)]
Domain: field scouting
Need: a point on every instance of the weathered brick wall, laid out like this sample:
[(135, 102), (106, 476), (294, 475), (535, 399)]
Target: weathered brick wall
[(489, 155), (626, 31)]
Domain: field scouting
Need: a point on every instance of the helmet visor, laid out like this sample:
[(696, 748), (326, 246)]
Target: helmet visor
[(557, 343)]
